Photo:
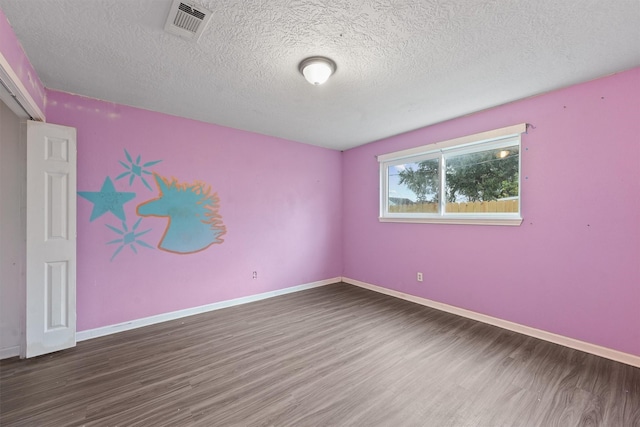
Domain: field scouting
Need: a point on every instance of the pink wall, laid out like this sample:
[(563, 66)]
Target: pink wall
[(12, 51), (572, 267), (279, 200)]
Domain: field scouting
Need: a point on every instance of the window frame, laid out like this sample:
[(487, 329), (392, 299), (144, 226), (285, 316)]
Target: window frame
[(494, 139)]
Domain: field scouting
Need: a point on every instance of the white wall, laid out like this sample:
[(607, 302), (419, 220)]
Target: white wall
[(13, 161)]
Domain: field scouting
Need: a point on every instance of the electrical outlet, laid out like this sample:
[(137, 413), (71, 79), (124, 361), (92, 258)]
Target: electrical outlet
[(255, 274), (419, 277)]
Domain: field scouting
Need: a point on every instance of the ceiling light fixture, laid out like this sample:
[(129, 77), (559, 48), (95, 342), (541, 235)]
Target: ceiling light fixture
[(317, 69)]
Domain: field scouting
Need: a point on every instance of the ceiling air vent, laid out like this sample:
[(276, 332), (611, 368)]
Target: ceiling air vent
[(187, 20)]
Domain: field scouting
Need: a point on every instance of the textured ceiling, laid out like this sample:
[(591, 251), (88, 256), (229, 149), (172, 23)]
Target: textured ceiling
[(401, 64)]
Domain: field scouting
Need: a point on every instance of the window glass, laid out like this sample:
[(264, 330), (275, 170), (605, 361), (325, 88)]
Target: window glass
[(484, 181), (414, 187)]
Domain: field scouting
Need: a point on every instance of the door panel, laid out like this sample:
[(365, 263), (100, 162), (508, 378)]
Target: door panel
[(51, 238)]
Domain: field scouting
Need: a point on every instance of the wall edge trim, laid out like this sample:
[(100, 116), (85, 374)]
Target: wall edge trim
[(607, 353), (17, 89), (173, 315)]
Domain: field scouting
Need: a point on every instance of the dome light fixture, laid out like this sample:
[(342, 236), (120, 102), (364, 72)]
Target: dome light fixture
[(317, 69)]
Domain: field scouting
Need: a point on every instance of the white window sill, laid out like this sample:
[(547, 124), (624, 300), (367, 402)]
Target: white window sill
[(470, 220)]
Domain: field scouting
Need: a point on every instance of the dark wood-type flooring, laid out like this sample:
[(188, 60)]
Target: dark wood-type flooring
[(331, 356)]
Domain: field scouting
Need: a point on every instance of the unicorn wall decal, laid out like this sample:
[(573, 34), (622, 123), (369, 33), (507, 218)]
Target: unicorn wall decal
[(194, 221)]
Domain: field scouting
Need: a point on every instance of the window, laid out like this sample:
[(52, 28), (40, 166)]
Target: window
[(470, 180)]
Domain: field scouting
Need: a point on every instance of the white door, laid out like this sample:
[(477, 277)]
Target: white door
[(51, 238)]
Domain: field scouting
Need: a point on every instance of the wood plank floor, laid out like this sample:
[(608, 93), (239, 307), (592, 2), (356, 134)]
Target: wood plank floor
[(331, 356)]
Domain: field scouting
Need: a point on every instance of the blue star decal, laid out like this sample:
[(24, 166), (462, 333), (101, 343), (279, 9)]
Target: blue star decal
[(107, 200), (135, 169), (130, 238)]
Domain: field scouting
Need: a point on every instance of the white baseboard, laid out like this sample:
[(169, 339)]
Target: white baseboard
[(597, 350), (146, 321), (8, 352)]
